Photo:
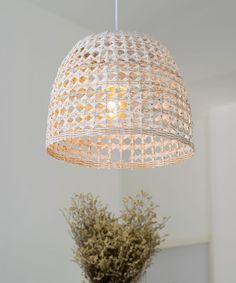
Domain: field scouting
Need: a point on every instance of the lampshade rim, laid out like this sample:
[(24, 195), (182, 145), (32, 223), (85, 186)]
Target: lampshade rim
[(120, 165), (120, 131)]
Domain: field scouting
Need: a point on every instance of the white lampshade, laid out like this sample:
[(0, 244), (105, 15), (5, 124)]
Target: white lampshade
[(119, 101)]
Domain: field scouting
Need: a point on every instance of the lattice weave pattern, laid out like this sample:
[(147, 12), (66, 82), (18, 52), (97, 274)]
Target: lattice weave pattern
[(119, 101)]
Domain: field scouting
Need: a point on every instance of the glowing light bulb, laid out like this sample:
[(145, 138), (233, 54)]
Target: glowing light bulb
[(111, 105)]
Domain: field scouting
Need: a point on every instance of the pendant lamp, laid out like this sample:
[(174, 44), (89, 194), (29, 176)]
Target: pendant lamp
[(119, 101)]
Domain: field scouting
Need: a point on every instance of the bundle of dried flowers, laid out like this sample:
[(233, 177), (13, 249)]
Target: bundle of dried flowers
[(113, 249)]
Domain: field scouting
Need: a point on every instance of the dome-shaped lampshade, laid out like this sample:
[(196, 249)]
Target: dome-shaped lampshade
[(119, 101)]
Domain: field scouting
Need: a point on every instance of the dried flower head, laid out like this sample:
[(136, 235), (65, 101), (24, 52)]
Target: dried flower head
[(113, 249)]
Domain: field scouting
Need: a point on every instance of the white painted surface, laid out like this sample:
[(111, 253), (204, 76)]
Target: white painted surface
[(223, 192), (180, 265)]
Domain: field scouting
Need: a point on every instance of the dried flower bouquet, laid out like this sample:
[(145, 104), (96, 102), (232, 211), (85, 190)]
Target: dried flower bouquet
[(113, 249)]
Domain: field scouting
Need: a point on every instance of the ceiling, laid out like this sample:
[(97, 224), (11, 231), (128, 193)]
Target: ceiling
[(200, 34)]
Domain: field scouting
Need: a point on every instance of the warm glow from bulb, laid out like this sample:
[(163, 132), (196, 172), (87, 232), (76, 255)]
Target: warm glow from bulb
[(122, 115), (122, 91), (111, 116), (111, 88), (111, 91), (122, 104), (111, 105)]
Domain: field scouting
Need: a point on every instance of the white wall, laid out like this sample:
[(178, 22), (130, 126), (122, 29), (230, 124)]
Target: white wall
[(34, 243), (189, 264), (223, 192)]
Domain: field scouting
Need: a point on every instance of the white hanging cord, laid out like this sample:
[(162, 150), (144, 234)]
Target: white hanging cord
[(116, 15)]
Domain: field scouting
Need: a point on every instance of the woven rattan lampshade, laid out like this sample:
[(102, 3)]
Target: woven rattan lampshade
[(119, 101)]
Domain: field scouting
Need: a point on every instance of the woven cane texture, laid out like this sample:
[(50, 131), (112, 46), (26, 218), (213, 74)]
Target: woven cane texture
[(119, 101)]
